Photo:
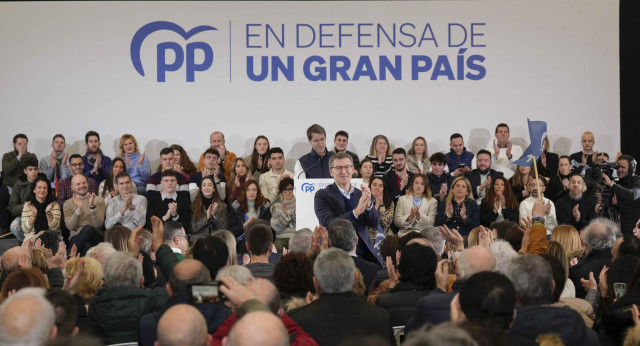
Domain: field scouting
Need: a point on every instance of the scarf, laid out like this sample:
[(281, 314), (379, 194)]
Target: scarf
[(91, 157), (41, 219)]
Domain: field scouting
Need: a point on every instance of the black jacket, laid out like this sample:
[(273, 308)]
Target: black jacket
[(474, 179), (627, 191), (392, 184), (593, 262), (401, 301), (434, 308), (236, 217), (564, 211), (532, 321), (369, 271), (487, 215), (158, 207)]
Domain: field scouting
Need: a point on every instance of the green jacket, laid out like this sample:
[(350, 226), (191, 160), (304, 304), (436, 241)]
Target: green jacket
[(19, 194)]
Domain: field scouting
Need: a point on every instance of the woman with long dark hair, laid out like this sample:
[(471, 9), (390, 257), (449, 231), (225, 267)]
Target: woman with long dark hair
[(209, 210), (384, 205), (182, 163), (40, 212), (259, 158), (499, 203), (239, 175), (107, 188), (416, 209), (249, 206)]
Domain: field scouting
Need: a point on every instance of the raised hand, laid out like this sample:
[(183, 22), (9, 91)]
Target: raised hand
[(442, 275), (391, 270), (452, 236), (443, 191), (496, 148), (449, 209), (484, 236), (589, 284), (92, 196), (576, 212), (509, 146), (127, 160), (33, 209), (463, 212), (141, 159), (547, 207), (157, 234)]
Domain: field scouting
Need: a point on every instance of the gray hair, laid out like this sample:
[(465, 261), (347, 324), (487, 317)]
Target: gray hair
[(36, 321), (532, 278), (146, 241), (122, 270), (335, 271), (239, 273), (443, 334), (300, 241), (435, 238), (342, 235), (600, 234), (101, 252), (504, 253), (474, 260)]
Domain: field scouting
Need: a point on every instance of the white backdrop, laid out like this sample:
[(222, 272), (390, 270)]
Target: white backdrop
[(67, 68)]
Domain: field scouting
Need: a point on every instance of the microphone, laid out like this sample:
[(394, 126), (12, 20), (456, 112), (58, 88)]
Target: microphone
[(317, 162)]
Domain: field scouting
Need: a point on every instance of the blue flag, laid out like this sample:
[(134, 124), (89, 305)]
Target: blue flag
[(537, 134)]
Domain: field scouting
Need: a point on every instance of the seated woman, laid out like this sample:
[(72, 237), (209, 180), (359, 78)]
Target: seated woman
[(107, 189), (518, 182), (182, 162), (209, 212), (239, 175), (385, 206), (41, 211), (283, 214), (259, 158), (366, 171), (499, 203), (418, 156), (459, 210), (137, 165), (21, 278), (380, 155), (417, 209), (416, 279), (558, 185), (249, 206)]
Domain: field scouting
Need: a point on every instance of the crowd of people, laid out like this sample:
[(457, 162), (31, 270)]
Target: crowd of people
[(443, 248)]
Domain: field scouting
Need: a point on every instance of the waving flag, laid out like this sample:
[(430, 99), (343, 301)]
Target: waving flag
[(537, 133)]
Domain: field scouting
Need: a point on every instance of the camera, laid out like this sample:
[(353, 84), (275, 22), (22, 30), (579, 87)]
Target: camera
[(205, 292), (593, 176)]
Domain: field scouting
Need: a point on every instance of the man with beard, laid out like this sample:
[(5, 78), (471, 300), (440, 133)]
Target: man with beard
[(96, 164), (64, 188), (627, 191), (481, 177), (576, 208), (84, 215)]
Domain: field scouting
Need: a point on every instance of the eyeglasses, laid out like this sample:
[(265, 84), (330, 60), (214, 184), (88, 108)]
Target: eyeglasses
[(342, 168), (289, 189), (76, 164)]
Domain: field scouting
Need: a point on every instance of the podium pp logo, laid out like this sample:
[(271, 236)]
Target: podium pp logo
[(307, 187), (181, 57)]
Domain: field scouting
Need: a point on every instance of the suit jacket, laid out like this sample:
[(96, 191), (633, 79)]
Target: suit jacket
[(369, 271), (474, 179), (158, 207), (434, 308), (392, 184), (335, 317), (428, 211), (329, 205), (593, 262)]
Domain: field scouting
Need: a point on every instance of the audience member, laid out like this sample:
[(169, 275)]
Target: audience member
[(283, 214), (481, 177), (458, 159), (127, 208), (217, 141), (228, 238), (239, 176), (65, 190), (293, 276), (11, 168), (259, 244), (503, 253), (418, 156), (576, 208), (526, 206), (380, 155), (209, 211), (300, 241), (504, 152), (107, 188), (316, 163), (558, 185), (585, 157), (250, 205), (270, 180), (365, 170), (259, 158), (40, 211), (56, 165), (399, 177), (547, 162), (84, 215), (519, 182), (181, 161), (385, 206), (340, 142), (176, 238), (137, 164), (154, 184), (168, 203), (627, 192), (416, 209), (499, 203), (210, 168), (182, 325), (96, 164), (439, 180), (27, 318), (459, 210)]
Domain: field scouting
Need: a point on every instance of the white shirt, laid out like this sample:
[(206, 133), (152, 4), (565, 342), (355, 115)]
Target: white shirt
[(502, 163), (550, 221)]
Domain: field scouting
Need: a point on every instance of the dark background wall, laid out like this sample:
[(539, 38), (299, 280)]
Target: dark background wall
[(630, 77)]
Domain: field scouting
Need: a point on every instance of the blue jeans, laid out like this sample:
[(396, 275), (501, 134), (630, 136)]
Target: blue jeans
[(16, 229), (85, 239)]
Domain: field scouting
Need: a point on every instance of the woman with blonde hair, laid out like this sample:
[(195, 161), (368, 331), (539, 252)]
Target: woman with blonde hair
[(556, 250), (380, 155), (418, 156), (416, 209), (90, 278), (228, 238), (137, 164), (569, 238), (459, 210)]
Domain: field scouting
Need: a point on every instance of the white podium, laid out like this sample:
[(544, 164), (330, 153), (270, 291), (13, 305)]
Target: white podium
[(305, 190)]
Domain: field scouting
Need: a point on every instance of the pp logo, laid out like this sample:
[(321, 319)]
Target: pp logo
[(308, 187), (163, 47)]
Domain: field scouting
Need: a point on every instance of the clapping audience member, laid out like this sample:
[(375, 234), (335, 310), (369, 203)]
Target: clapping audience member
[(169, 203), (270, 179), (283, 214), (416, 209), (399, 177), (418, 156), (481, 177), (384, 205), (366, 170), (181, 161), (107, 188), (380, 155), (439, 180), (519, 182), (249, 206), (21, 192), (211, 167), (56, 165), (137, 164), (167, 161), (499, 204), (65, 191), (239, 176), (558, 186), (96, 164), (126, 207), (459, 210), (210, 212), (40, 212), (259, 158), (84, 215)]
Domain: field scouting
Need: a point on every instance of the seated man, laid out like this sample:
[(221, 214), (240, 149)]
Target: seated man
[(166, 162), (340, 142), (439, 180), (11, 169), (399, 178), (117, 307), (458, 159), (269, 181), (64, 187), (176, 238), (126, 208), (56, 165), (21, 192), (316, 163), (211, 167), (504, 152), (96, 164), (226, 158), (259, 244), (584, 158), (526, 206), (481, 177), (168, 204), (576, 208), (84, 215), (338, 313)]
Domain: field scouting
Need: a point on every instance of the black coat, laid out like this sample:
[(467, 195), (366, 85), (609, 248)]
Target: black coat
[(531, 321), (401, 301), (158, 207), (369, 271), (392, 184), (627, 191), (564, 211), (335, 317), (236, 217), (434, 308), (474, 179), (487, 215), (593, 262)]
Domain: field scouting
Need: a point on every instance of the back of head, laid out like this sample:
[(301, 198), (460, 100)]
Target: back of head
[(9, 259), (122, 270), (187, 271), (630, 246), (568, 237), (26, 318), (407, 237), (474, 260), (23, 278), (172, 229), (267, 293), (342, 235), (389, 247), (118, 236), (334, 271), (90, 279), (300, 241), (503, 254), (514, 237), (239, 273), (612, 227), (598, 236), (418, 265), (532, 278), (50, 240), (435, 238), (294, 273), (66, 311), (259, 328), (259, 238), (559, 276), (230, 240), (443, 334), (101, 252), (212, 252), (488, 296), (502, 227), (182, 324)]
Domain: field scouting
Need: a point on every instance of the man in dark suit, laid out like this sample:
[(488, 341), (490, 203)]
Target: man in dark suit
[(343, 236), (481, 177), (399, 178), (343, 201), (338, 313), (170, 204)]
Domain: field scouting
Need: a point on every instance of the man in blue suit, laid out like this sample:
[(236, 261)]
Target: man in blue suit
[(341, 200)]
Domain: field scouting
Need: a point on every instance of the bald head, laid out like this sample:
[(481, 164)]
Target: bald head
[(182, 324), (258, 328), (187, 271), (27, 318), (79, 185), (474, 260), (267, 293), (11, 258)]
